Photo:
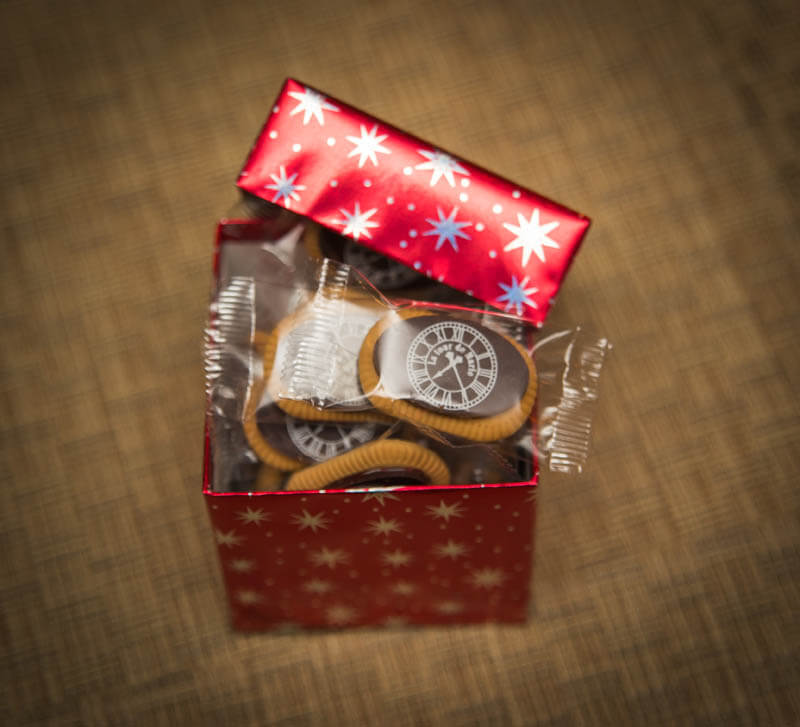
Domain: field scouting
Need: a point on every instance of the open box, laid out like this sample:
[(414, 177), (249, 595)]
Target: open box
[(412, 554)]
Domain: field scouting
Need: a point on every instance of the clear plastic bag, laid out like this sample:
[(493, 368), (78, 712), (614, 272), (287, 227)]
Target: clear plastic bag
[(316, 379)]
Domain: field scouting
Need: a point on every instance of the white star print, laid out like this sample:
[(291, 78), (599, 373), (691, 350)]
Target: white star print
[(447, 229), (403, 588), (315, 585), (441, 165), (242, 565), (248, 598), (331, 558), (395, 621), (315, 522), (487, 578), (450, 549), (445, 512), (379, 497), (340, 615), (311, 103), (367, 145), (284, 187), (448, 607), (358, 223), (396, 559), (384, 527), (229, 539), (531, 236), (516, 294), (252, 517)]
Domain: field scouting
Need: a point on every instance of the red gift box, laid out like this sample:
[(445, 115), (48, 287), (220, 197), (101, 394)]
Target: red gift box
[(403, 555)]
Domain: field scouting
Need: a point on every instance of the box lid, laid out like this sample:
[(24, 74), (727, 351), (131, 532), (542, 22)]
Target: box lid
[(403, 197)]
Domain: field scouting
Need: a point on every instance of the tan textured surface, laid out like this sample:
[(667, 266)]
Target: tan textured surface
[(667, 582)]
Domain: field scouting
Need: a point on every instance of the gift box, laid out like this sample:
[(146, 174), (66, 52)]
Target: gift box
[(407, 554)]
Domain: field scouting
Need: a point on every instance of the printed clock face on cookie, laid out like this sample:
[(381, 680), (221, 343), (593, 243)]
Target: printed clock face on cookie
[(322, 440), (452, 365)]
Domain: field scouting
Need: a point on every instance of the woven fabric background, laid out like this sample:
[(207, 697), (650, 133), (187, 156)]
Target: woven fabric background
[(666, 587)]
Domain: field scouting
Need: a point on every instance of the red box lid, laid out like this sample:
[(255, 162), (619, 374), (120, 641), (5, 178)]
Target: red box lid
[(413, 202)]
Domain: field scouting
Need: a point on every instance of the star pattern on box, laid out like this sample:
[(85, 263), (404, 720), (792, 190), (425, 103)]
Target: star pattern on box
[(403, 588), (311, 104), (309, 521), (440, 165), (531, 236), (284, 187), (446, 511), (228, 539), (241, 565), (357, 224), (252, 517), (393, 193), (447, 229), (380, 497), (450, 549), (368, 145), (414, 557), (329, 557), (247, 597), (340, 615), (384, 527), (516, 295), (396, 558), (487, 578), (316, 585)]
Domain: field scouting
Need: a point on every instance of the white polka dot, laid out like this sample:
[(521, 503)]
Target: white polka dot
[(275, 109), (465, 182), (516, 194), (273, 134), (497, 209), (497, 507), (403, 244), (331, 141), (417, 265), (479, 227), (367, 182), (411, 207), (334, 182), (412, 233), (510, 528), (440, 278), (464, 197), (469, 292), (492, 254), (390, 200), (296, 147), (407, 171)]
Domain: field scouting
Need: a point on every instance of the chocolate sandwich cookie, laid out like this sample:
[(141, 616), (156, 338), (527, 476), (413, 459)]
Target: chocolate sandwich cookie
[(380, 463), (447, 373), (289, 444), (383, 272), (314, 352)]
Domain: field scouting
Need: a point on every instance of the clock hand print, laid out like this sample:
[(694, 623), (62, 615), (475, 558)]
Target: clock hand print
[(454, 361), (470, 367)]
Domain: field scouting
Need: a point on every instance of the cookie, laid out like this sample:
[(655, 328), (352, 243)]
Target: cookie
[(447, 373), (386, 461), (312, 355)]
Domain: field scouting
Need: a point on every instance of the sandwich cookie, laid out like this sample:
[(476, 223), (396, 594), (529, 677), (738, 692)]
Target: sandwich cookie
[(447, 373)]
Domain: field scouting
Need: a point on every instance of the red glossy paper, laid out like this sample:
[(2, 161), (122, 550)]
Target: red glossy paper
[(409, 200)]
